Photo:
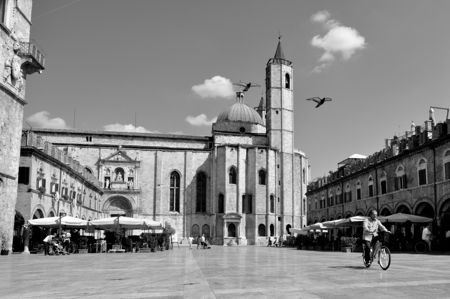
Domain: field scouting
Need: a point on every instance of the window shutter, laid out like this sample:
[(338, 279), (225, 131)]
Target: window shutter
[(405, 182), (396, 183)]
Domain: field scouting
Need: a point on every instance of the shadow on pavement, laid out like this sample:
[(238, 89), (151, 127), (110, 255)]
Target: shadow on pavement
[(348, 267)]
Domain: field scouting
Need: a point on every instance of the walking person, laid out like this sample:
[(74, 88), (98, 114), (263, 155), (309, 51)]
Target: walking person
[(427, 236)]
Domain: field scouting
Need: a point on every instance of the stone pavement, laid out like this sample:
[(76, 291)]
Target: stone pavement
[(223, 272)]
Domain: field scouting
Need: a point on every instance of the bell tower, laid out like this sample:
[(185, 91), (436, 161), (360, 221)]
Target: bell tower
[(280, 105), (280, 129)]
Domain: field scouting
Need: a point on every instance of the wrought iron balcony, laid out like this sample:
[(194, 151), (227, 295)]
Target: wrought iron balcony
[(35, 57)]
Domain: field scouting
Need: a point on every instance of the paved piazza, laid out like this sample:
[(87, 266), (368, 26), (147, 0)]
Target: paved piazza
[(223, 272)]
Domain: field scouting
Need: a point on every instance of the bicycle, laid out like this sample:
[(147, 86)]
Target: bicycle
[(383, 252)]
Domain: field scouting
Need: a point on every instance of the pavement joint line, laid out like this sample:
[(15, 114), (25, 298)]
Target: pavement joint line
[(202, 289)]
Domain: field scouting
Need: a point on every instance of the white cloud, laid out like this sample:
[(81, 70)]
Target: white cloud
[(216, 87), (42, 120), (320, 16), (339, 41), (126, 128), (200, 120)]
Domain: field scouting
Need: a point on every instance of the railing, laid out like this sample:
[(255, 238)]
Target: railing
[(32, 50)]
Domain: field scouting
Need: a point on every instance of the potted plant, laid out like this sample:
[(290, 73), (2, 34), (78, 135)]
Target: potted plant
[(4, 248)]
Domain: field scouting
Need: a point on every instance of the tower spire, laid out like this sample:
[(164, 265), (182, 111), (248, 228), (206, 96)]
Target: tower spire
[(279, 54)]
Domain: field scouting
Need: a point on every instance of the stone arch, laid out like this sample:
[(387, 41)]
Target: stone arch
[(195, 231), (424, 209), (51, 213), (385, 211), (323, 219), (444, 215), (118, 205), (348, 214), (403, 208), (359, 212), (206, 230), (38, 212)]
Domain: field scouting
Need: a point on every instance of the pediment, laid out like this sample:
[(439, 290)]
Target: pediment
[(119, 156)]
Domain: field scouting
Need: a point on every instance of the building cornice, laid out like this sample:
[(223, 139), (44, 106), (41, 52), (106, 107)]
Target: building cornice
[(31, 150), (128, 135)]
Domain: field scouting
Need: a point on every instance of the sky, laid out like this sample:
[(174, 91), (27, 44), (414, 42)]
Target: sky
[(169, 65)]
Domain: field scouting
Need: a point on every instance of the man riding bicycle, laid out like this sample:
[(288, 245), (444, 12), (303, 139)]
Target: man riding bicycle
[(370, 234)]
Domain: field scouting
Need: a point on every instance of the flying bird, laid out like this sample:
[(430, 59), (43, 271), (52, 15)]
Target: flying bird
[(246, 85), (319, 101)]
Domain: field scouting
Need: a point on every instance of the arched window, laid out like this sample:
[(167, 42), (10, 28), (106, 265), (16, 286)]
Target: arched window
[(422, 172), (400, 178), (338, 195), (370, 186), (232, 175), (221, 204), (195, 230), (447, 165), (383, 183), (201, 193), (174, 192), (330, 199), (358, 190), (272, 230), (261, 230), (231, 230), (262, 177), (272, 203), (287, 78), (348, 193), (288, 229)]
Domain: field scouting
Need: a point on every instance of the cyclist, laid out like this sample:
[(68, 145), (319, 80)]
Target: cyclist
[(370, 233)]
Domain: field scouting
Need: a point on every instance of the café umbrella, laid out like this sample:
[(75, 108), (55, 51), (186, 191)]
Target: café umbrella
[(121, 222), (402, 218), (54, 222)]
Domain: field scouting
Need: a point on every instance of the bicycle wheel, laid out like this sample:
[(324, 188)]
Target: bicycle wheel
[(384, 257)]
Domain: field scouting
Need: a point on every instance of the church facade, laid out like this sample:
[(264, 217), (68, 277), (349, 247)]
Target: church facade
[(238, 186)]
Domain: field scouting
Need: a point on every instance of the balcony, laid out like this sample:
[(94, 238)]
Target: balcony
[(121, 187), (34, 57)]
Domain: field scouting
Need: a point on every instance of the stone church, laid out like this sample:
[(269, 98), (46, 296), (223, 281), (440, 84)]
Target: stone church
[(238, 186)]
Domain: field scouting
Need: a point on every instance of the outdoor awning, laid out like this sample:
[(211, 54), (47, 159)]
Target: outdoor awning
[(402, 218), (53, 222), (122, 222)]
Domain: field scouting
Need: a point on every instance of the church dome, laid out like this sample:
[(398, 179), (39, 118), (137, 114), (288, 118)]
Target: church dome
[(239, 112)]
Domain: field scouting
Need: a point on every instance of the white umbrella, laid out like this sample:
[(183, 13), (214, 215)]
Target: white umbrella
[(402, 218), (53, 222), (299, 231), (113, 223)]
